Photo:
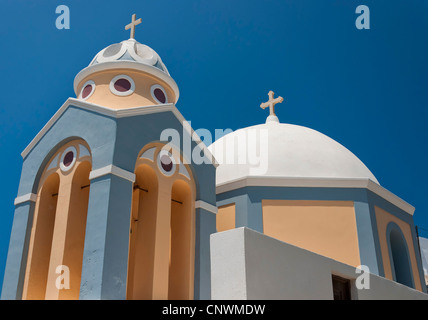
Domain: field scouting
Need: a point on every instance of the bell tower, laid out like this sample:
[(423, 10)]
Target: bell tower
[(107, 207)]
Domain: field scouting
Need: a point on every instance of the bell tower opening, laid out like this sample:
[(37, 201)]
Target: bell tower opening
[(42, 233), (180, 286), (142, 234), (162, 228)]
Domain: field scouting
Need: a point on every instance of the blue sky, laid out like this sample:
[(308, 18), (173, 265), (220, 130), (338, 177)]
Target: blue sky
[(367, 89)]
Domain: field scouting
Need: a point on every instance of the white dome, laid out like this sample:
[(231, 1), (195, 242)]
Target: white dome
[(130, 50), (128, 54), (284, 150)]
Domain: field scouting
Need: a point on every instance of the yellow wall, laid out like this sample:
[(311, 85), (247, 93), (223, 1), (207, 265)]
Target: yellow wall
[(41, 239), (58, 231), (140, 97), (162, 241), (324, 227), (383, 218), (225, 218)]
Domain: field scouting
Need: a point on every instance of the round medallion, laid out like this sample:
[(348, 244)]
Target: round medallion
[(122, 85), (166, 163), (87, 90), (68, 158), (159, 94)]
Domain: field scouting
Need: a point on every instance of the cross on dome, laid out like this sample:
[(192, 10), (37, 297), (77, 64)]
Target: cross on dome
[(132, 26), (271, 104)]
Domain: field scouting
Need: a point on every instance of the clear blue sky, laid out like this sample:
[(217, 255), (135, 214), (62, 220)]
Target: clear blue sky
[(367, 89)]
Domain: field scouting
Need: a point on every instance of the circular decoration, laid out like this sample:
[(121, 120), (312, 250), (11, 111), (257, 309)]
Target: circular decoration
[(166, 162), (68, 158), (111, 53), (159, 94), (122, 85), (87, 90), (112, 50)]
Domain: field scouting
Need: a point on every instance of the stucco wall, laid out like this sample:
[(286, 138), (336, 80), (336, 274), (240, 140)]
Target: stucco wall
[(246, 264)]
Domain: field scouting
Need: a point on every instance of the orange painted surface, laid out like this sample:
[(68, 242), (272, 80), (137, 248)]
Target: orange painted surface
[(162, 241), (324, 227), (58, 232), (225, 218), (140, 97), (41, 240), (383, 218)]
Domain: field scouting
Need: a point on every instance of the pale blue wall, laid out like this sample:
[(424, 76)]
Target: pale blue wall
[(117, 142), (249, 214)]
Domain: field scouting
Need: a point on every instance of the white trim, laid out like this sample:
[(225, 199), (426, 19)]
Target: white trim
[(159, 163), (112, 169), (152, 92), (61, 161), (100, 56), (206, 206), (89, 82), (122, 93), (316, 183), (26, 197), (122, 113), (111, 65)]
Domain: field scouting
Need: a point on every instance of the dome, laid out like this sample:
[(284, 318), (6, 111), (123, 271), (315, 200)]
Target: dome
[(128, 54), (130, 50), (284, 150)]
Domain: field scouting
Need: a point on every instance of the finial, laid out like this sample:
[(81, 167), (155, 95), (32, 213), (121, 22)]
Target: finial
[(271, 104), (132, 26)]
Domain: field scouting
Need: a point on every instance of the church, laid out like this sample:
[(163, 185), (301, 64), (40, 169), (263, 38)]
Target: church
[(112, 205)]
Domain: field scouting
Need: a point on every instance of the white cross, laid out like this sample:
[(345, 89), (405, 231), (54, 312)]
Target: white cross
[(132, 26), (271, 103)]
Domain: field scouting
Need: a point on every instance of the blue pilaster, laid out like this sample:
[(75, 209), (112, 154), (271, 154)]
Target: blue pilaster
[(18, 249), (205, 226), (105, 257)]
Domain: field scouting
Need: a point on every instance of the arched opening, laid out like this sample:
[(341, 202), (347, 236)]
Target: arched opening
[(43, 226), (181, 266), (162, 228), (142, 234), (400, 262), (76, 227)]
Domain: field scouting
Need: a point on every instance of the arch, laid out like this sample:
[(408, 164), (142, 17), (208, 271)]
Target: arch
[(399, 255), (142, 237), (162, 227), (59, 240), (41, 172), (76, 227), (181, 268), (42, 233)]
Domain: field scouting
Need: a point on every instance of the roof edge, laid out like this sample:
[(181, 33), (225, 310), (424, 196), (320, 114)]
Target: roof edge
[(272, 181)]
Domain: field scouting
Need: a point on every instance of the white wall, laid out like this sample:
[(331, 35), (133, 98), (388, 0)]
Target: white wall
[(246, 264)]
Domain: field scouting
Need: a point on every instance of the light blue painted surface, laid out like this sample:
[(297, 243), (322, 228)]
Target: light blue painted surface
[(117, 142), (205, 226), (364, 203), (17, 254)]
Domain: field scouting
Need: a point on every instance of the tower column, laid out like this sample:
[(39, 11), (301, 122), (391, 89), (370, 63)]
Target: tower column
[(105, 257), (18, 247), (59, 236), (162, 244)]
